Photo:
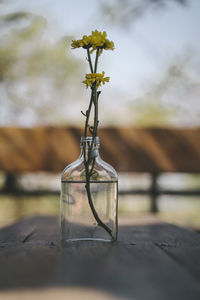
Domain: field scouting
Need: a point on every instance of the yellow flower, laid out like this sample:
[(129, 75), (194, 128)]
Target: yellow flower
[(97, 40), (85, 42), (97, 78)]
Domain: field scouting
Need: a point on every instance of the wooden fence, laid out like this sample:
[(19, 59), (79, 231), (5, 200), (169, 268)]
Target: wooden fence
[(151, 150)]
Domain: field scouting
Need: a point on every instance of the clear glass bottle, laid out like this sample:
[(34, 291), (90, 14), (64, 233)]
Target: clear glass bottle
[(77, 218)]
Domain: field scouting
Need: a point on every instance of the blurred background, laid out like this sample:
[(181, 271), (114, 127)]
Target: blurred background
[(155, 82)]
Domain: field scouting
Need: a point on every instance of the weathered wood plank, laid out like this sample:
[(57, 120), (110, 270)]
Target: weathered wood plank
[(128, 271), (143, 264), (138, 230), (133, 272), (27, 265), (127, 149), (186, 256), (36, 228)]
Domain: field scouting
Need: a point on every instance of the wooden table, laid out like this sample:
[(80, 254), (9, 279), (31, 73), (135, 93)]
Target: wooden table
[(151, 260)]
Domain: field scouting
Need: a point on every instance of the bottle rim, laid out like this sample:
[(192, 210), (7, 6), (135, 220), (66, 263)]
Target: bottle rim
[(90, 139), (85, 141)]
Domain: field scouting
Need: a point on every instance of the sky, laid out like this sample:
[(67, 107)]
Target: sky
[(152, 41), (143, 51)]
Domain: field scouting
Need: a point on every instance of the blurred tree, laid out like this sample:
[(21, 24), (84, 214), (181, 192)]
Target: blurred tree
[(36, 75), (173, 97), (125, 12), (152, 113)]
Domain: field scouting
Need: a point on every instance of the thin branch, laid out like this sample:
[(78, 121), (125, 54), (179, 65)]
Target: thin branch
[(83, 113), (100, 223), (96, 61), (89, 60), (88, 116), (93, 130)]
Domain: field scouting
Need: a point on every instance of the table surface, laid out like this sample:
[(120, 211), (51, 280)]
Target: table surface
[(150, 260)]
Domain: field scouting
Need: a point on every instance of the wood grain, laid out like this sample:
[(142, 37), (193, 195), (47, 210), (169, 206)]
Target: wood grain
[(151, 260), (152, 150)]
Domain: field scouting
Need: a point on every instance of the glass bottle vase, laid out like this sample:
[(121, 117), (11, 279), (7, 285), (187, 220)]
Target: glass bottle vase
[(83, 217)]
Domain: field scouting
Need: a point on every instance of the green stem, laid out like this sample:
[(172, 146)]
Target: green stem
[(95, 131), (100, 223), (94, 100), (91, 170), (96, 121), (89, 60), (96, 61), (88, 115)]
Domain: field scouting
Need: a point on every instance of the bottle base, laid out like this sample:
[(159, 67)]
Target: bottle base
[(65, 241)]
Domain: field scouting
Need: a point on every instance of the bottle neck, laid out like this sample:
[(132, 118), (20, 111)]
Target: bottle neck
[(89, 147)]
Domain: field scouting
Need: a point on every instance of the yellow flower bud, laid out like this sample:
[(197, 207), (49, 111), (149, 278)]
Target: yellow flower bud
[(95, 78)]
